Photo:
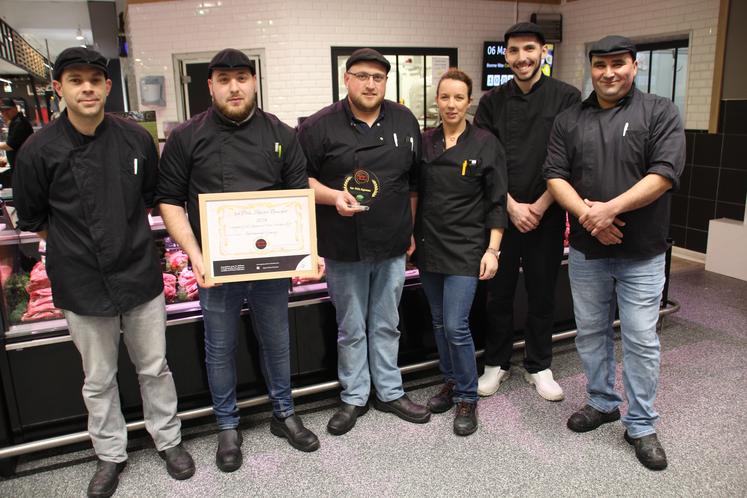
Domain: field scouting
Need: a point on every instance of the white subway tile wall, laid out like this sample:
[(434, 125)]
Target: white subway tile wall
[(296, 37)]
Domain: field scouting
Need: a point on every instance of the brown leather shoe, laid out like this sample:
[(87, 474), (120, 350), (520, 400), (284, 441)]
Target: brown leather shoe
[(649, 451), (292, 429), (404, 409), (344, 418), (465, 421), (588, 418), (106, 479), (442, 402)]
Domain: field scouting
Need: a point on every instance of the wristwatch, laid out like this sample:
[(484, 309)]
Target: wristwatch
[(494, 252)]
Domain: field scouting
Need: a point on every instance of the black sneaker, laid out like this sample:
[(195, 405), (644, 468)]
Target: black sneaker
[(588, 418), (465, 421), (442, 402), (649, 451)]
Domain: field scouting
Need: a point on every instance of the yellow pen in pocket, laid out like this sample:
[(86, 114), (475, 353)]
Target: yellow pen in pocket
[(464, 167)]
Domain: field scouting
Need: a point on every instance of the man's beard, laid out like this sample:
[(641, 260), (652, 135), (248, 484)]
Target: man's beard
[(364, 106), (237, 114), (533, 73)]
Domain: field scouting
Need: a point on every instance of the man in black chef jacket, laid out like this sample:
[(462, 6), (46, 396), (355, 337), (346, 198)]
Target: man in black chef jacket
[(520, 113), (362, 154), (19, 130), (235, 147), (84, 183), (611, 162)]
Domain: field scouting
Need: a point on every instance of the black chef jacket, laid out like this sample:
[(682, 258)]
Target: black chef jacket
[(334, 147), (604, 152), (19, 129), (462, 196), (92, 198), (212, 154), (523, 122)]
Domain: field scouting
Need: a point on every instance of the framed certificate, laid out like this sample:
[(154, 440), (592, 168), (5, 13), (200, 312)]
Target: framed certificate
[(258, 235)]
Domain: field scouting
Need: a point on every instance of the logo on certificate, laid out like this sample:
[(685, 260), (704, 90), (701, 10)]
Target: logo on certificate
[(363, 185), (260, 244)]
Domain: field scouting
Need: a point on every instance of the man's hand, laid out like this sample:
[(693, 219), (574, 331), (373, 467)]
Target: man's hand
[(488, 266), (611, 235), (599, 216), (411, 248), (3, 162), (199, 270), (522, 216), (343, 203)]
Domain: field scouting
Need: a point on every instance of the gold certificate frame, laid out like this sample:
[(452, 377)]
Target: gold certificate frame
[(258, 235)]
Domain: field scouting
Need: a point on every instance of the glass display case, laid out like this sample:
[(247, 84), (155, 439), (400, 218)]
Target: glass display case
[(28, 302)]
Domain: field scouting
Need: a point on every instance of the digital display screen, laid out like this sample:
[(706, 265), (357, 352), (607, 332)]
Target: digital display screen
[(495, 70)]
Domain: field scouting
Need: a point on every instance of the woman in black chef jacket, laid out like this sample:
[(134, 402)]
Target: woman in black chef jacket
[(460, 219)]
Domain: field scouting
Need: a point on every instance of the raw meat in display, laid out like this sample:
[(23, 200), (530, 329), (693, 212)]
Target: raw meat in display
[(169, 286), (38, 278), (188, 282), (41, 305), (176, 260)]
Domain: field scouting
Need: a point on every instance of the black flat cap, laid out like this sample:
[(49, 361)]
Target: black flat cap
[(612, 45), (230, 58), (7, 103), (79, 56), (524, 28), (367, 55)]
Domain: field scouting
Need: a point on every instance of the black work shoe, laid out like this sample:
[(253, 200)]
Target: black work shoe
[(105, 480), (465, 421), (228, 457), (588, 418), (442, 401), (344, 418), (292, 429), (179, 462), (404, 409), (649, 451)]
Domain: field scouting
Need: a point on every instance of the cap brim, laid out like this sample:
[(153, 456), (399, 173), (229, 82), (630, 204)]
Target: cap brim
[(616, 52)]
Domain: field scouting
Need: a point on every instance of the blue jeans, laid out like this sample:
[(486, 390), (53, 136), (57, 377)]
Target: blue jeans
[(366, 295), (635, 285), (221, 307), (450, 298)]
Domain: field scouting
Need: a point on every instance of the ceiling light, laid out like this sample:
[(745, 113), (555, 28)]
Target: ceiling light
[(79, 35)]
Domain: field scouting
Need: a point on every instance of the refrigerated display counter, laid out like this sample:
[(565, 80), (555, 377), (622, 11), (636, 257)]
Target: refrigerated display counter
[(41, 375)]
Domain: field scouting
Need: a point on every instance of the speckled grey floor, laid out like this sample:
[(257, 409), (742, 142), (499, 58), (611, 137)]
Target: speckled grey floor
[(521, 449)]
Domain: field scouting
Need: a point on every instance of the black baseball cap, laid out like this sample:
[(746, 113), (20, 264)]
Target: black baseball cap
[(7, 103), (230, 58), (524, 28), (612, 45), (79, 56), (367, 55)]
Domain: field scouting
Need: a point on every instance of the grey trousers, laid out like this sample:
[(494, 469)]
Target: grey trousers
[(97, 340)]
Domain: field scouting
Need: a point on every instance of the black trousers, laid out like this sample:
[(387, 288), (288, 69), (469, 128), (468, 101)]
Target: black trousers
[(539, 254)]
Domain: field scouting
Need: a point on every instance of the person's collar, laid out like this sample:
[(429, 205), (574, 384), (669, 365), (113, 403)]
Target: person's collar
[(593, 101), (440, 136), (97, 132), (514, 88), (351, 117)]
